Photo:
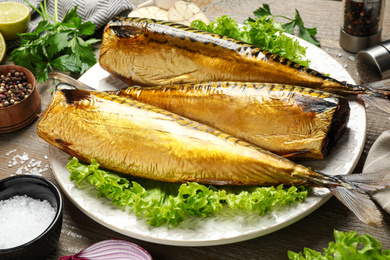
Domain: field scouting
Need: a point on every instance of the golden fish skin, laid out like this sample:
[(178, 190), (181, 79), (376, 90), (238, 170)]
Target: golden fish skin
[(149, 52), (131, 137), (291, 121)]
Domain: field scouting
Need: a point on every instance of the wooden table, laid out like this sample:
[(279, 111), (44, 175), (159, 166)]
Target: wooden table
[(314, 231)]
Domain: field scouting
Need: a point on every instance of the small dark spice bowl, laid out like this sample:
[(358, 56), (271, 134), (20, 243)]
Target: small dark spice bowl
[(40, 200), (20, 102)]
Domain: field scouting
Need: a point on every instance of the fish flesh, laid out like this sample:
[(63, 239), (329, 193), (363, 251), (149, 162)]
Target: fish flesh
[(149, 52), (130, 137), (295, 122)]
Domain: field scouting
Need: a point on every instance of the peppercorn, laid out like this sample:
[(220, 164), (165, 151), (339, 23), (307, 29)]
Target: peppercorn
[(362, 19), (14, 87)]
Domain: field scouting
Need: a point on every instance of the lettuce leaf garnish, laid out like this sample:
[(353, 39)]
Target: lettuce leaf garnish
[(262, 32), (305, 33), (346, 246), (170, 203)]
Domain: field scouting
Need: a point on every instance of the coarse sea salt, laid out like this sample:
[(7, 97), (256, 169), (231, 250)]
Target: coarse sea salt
[(22, 219), (26, 165)]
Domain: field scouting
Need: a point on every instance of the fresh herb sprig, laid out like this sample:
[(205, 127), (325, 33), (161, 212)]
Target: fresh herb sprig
[(56, 45), (305, 33)]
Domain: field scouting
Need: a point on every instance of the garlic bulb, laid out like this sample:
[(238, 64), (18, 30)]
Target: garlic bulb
[(164, 4), (181, 12), (185, 13), (153, 12)]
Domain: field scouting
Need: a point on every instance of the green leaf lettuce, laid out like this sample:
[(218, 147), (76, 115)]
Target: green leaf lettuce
[(346, 246), (170, 203), (261, 32)]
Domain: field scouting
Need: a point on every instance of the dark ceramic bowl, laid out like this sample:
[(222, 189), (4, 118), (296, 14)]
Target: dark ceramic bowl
[(37, 188), (19, 115)]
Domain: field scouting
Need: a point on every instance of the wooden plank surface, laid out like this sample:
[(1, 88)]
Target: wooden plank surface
[(314, 231)]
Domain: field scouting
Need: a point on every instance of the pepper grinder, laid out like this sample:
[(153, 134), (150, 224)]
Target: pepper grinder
[(362, 24), (373, 64)]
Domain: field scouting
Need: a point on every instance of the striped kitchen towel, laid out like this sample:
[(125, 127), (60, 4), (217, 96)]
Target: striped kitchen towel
[(99, 12), (378, 159)]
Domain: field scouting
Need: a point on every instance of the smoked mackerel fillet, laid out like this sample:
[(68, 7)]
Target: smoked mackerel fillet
[(130, 137), (290, 121)]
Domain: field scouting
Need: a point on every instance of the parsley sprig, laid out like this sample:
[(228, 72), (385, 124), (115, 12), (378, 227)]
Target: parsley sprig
[(56, 45), (305, 33)]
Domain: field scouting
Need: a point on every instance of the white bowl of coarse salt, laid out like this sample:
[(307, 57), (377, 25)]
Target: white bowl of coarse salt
[(31, 211)]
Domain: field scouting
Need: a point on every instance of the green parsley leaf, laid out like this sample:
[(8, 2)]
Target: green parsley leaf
[(56, 45), (289, 27), (263, 11), (307, 34), (40, 71), (87, 28), (69, 16), (65, 63), (27, 59)]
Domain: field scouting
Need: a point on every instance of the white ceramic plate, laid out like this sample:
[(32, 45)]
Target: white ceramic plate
[(228, 226)]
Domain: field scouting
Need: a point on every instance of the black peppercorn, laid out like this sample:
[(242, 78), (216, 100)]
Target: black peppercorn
[(14, 87)]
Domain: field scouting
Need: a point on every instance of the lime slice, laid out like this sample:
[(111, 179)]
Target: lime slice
[(14, 18), (3, 48)]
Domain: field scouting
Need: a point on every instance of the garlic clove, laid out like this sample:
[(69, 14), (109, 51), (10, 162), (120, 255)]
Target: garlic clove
[(194, 8), (175, 16)]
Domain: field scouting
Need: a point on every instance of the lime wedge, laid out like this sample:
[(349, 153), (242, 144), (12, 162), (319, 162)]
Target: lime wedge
[(3, 48), (14, 18)]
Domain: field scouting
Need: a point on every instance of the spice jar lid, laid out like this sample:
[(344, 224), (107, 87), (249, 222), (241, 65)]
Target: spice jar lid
[(355, 44), (373, 64)]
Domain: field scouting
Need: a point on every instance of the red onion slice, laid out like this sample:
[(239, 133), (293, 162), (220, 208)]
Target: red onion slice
[(111, 249)]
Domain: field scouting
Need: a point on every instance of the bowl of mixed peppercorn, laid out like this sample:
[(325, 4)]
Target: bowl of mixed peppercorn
[(20, 102)]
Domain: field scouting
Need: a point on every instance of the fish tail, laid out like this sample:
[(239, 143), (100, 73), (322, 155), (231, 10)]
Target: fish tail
[(378, 94), (63, 78), (355, 194), (360, 204)]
